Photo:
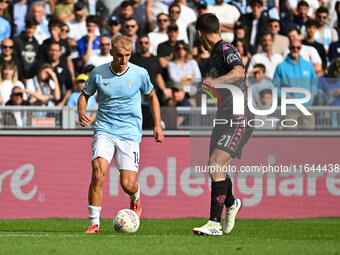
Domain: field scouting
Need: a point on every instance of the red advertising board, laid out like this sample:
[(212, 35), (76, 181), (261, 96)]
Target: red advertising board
[(49, 177)]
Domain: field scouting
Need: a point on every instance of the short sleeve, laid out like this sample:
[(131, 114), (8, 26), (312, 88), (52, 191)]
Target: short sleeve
[(231, 57), (146, 86), (90, 85)]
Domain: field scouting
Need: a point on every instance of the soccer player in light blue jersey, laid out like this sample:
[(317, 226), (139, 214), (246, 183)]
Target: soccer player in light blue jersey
[(118, 127)]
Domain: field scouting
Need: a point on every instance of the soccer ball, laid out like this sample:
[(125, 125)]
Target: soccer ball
[(126, 221)]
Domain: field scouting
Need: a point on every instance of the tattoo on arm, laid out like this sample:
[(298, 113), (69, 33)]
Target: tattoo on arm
[(235, 74)]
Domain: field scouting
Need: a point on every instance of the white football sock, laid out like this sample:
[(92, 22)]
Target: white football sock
[(94, 214), (135, 196)]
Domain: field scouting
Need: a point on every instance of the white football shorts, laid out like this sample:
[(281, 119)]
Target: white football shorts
[(125, 153)]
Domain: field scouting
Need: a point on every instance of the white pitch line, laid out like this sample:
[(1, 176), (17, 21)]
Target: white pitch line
[(76, 235)]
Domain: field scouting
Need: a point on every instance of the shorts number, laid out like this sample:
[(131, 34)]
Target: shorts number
[(221, 141), (136, 156)]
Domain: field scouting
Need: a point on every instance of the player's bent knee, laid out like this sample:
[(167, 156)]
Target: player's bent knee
[(128, 186)]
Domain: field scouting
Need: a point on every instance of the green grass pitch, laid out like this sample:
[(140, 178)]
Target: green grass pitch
[(170, 236)]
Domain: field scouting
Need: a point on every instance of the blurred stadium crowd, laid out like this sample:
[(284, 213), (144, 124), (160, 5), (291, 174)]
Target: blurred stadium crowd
[(49, 47)]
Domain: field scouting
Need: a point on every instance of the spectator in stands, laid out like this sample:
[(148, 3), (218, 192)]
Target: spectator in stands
[(5, 30), (325, 34), (124, 12), (19, 15), (280, 42), (78, 24), (312, 4), (297, 21), (259, 82), (268, 58), (241, 46), (138, 12), (311, 28), (130, 30), (64, 30), (16, 118), (8, 80), (151, 63), (160, 35), (61, 71), (114, 26), (266, 102), (64, 11), (227, 22), (38, 14), (88, 44), (180, 98), (73, 99), (55, 30), (186, 17), (201, 8), (104, 55), (6, 10), (182, 69), (329, 86), (295, 71), (7, 55), (26, 49), (203, 60), (255, 23), (334, 50), (43, 89), (165, 50), (241, 33), (174, 14), (309, 53)]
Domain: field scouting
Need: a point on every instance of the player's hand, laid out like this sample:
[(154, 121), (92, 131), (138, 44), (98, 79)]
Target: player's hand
[(158, 134), (84, 119), (208, 83)]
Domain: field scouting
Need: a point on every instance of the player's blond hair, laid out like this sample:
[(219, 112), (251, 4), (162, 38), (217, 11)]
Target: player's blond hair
[(121, 42)]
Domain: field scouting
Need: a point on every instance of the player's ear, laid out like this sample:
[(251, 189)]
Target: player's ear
[(199, 33)]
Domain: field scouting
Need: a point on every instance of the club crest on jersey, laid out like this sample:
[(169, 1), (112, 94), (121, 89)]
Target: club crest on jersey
[(233, 57), (130, 83)]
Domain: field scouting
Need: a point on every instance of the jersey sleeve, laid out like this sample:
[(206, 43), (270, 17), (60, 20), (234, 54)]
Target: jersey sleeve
[(231, 57), (146, 86), (90, 85)]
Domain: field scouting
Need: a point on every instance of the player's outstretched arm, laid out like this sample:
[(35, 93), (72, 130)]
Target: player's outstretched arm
[(84, 118), (156, 114)]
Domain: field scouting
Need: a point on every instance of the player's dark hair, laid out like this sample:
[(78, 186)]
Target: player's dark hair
[(303, 3), (31, 23), (125, 4), (92, 19), (265, 92), (261, 66), (208, 23), (321, 10)]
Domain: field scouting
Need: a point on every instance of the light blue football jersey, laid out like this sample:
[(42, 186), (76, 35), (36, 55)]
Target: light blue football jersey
[(119, 95)]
